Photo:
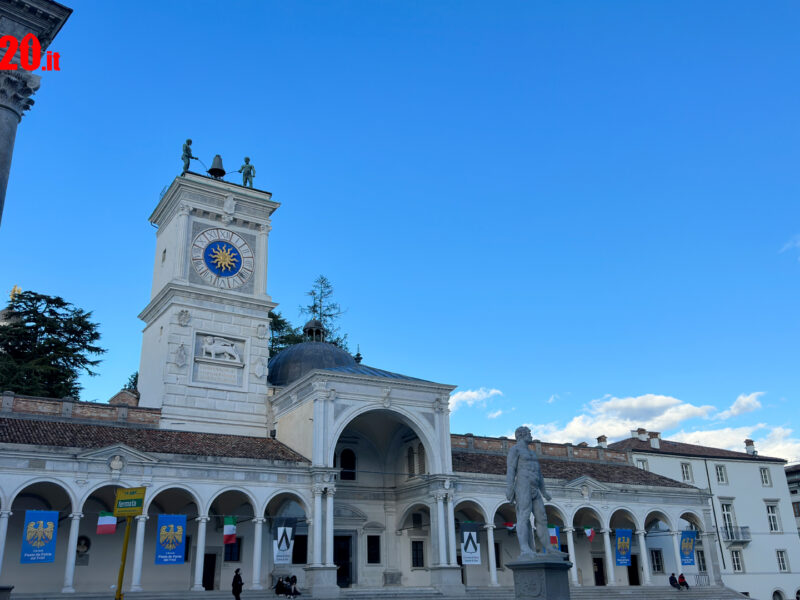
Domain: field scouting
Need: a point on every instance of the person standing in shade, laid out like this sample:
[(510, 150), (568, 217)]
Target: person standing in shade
[(237, 584)]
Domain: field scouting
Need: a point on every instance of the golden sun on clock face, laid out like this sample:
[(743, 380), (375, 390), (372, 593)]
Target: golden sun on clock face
[(222, 258)]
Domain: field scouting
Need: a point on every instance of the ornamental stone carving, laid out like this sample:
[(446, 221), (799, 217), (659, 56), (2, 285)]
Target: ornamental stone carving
[(260, 369), (261, 331), (181, 357), (220, 348), (16, 89), (184, 316)]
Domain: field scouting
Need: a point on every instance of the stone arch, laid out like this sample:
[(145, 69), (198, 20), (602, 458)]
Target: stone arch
[(555, 509), (778, 594), (424, 433), (659, 515), (586, 510), (481, 510), (99, 486), (411, 508), (45, 480), (693, 519), (501, 504), (247, 494), (152, 495), (623, 512), (300, 499)]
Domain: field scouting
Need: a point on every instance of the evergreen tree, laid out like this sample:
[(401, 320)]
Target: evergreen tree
[(45, 344), (281, 333), (133, 382), (324, 309)]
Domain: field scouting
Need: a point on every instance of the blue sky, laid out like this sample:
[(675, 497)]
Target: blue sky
[(583, 214)]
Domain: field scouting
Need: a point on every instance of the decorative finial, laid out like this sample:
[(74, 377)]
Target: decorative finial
[(358, 356), (15, 291), (248, 171)]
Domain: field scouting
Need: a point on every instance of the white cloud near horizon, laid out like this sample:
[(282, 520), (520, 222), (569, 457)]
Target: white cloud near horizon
[(777, 442), (472, 397), (745, 403), (495, 414)]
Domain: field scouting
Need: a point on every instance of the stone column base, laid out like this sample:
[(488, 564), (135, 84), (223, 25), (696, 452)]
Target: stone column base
[(543, 577), (322, 581), (447, 579)]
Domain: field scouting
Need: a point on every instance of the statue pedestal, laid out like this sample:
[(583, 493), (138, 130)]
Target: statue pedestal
[(541, 577), (447, 579), (322, 580)]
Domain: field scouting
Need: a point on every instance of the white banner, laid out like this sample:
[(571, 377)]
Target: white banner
[(282, 547), (470, 548)]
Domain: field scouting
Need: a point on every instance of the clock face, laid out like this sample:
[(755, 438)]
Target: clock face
[(222, 258)]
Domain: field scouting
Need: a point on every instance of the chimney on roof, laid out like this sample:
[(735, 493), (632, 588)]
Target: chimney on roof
[(750, 446), (655, 440), (641, 433), (602, 441)]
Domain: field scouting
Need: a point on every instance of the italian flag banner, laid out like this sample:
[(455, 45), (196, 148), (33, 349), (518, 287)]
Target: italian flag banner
[(229, 531), (589, 533), (106, 523), (554, 531)]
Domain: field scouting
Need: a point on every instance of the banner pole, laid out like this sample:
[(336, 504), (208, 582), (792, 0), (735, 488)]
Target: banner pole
[(118, 595)]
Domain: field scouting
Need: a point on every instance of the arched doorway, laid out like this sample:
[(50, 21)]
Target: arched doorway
[(661, 548), (632, 574), (230, 539), (590, 560), (505, 540), (41, 496), (469, 515), (416, 551), (696, 573), (287, 525)]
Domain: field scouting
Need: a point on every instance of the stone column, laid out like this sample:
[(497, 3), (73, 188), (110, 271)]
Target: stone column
[(200, 554), (609, 557), (645, 556), (490, 551), (710, 548), (16, 89), (316, 559), (138, 551), (329, 527), (258, 534), (261, 254), (182, 244), (440, 527), (69, 570), (573, 572), (4, 516), (676, 547), (451, 529)]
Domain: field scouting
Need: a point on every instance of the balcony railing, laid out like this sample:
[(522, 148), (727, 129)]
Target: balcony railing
[(702, 580), (740, 535)]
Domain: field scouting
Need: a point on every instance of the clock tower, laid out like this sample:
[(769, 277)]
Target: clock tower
[(205, 344)]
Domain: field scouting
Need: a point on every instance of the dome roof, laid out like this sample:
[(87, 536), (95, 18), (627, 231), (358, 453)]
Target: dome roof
[(295, 361)]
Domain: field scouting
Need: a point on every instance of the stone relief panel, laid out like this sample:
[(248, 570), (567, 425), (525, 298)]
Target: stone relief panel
[(218, 360)]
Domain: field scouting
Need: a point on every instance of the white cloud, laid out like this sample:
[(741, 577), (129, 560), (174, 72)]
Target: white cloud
[(472, 397), (792, 243), (777, 442), (615, 417), (552, 398), (495, 414), (745, 403)]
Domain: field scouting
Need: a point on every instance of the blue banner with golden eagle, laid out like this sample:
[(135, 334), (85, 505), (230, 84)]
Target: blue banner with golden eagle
[(39, 536), (171, 540), (623, 547), (688, 540)]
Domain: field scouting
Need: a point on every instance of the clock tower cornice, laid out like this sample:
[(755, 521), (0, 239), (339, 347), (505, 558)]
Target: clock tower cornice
[(214, 200)]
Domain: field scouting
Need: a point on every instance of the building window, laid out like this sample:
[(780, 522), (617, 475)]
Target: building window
[(498, 556), (300, 550), (373, 549), (686, 471), (727, 518), (421, 460), (783, 566), (736, 561), (416, 520), (701, 561), (417, 554), (656, 560), (722, 474), (641, 463), (347, 460), (796, 509), (410, 460), (233, 552), (765, 478), (772, 518)]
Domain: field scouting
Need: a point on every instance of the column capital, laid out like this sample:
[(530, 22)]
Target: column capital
[(641, 532), (330, 491), (265, 228), (141, 518), (488, 527), (259, 520), (202, 519), (675, 533), (16, 89), (76, 516), (317, 489), (439, 496), (4, 514), (568, 530)]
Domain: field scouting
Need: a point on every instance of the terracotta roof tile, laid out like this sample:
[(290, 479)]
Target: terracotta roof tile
[(495, 464), (679, 448), (84, 435)]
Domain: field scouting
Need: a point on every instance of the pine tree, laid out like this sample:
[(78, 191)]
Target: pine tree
[(281, 333), (327, 311), (45, 345)]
